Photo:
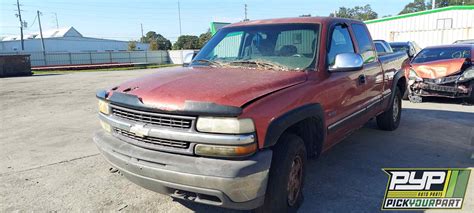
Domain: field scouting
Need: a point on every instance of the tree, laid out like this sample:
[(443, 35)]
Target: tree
[(204, 38), (360, 13), (153, 45), (161, 42), (186, 42), (421, 5), (415, 6), (132, 45)]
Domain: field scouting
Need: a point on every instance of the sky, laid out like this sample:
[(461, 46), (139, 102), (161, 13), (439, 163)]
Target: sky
[(121, 19)]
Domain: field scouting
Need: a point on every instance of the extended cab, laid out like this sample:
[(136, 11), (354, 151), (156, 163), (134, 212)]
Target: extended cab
[(235, 128)]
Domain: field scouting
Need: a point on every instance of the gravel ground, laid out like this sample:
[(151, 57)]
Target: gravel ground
[(48, 161)]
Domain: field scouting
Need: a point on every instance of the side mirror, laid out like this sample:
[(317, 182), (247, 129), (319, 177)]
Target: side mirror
[(188, 58), (347, 62)]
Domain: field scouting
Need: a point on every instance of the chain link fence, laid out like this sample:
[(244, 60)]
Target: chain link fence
[(82, 58)]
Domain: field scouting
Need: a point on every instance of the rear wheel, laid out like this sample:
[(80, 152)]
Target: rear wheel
[(286, 179), (390, 119)]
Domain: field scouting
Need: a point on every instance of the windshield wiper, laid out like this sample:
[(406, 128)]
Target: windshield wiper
[(262, 64), (209, 62)]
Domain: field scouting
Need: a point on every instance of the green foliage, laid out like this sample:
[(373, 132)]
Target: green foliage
[(360, 13), (186, 42), (132, 45), (421, 5), (415, 6), (153, 45), (204, 38), (156, 41)]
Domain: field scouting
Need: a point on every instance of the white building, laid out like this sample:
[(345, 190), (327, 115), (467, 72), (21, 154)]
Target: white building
[(64, 40), (432, 27)]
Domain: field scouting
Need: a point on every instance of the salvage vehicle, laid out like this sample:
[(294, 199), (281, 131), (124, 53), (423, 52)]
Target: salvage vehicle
[(382, 47), (410, 47), (442, 71), (467, 41), (235, 127)]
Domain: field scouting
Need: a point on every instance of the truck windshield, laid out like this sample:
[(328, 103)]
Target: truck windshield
[(275, 46), (434, 54)]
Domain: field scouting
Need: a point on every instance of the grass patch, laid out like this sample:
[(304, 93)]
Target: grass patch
[(139, 67)]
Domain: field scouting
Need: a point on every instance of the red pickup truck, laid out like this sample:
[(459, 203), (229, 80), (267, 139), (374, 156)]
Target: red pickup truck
[(235, 128)]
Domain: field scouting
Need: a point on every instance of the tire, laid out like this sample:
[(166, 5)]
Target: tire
[(390, 119), (470, 99), (289, 154)]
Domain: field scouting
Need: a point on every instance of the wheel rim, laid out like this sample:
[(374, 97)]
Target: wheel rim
[(396, 109), (295, 180)]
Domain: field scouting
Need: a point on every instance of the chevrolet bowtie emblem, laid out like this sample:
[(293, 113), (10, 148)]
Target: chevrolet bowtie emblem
[(139, 130)]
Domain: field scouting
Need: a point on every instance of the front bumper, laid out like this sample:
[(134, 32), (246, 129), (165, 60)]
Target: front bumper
[(448, 87), (236, 184)]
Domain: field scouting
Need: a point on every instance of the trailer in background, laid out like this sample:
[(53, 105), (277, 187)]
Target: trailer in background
[(15, 65)]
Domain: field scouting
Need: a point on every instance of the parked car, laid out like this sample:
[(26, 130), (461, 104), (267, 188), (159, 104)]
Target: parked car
[(410, 47), (468, 41), (444, 71), (235, 128), (382, 47)]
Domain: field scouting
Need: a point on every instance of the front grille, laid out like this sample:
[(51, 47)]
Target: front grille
[(147, 140), (443, 80), (173, 121)]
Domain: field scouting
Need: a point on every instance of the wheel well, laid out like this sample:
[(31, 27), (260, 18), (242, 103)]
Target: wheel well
[(311, 130), (402, 85)]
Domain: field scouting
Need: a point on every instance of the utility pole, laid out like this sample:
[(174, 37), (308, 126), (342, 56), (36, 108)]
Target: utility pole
[(57, 23), (179, 18), (21, 25), (433, 4), (141, 26), (245, 12), (38, 13), (180, 32)]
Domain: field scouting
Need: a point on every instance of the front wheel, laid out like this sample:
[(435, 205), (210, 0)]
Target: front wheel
[(470, 99), (286, 179), (390, 119)]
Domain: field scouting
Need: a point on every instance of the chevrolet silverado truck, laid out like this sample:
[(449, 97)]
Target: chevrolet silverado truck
[(442, 71), (236, 126)]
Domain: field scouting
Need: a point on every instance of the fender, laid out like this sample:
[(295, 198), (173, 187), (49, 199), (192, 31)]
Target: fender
[(399, 76), (282, 123)]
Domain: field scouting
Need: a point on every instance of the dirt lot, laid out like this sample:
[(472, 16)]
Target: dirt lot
[(48, 161)]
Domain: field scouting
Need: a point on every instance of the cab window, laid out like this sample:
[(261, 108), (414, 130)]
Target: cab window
[(364, 43), (340, 43)]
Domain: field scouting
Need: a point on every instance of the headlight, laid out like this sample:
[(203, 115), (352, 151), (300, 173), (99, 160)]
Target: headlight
[(104, 107), (412, 75), (469, 73), (225, 125), (225, 151), (106, 126)]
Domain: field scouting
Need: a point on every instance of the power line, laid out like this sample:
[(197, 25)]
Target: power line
[(57, 23)]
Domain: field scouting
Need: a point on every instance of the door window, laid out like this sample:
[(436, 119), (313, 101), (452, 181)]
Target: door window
[(364, 43), (340, 43)]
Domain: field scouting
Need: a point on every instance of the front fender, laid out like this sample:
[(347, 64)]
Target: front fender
[(278, 126)]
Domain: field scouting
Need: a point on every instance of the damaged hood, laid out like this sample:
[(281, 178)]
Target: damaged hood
[(169, 89), (438, 69)]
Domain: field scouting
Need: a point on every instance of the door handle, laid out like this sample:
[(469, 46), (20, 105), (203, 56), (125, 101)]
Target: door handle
[(362, 79)]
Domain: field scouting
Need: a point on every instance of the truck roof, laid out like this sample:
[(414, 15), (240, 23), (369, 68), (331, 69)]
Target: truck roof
[(298, 20)]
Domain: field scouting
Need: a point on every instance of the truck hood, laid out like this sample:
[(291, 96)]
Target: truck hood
[(168, 89), (438, 69)]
